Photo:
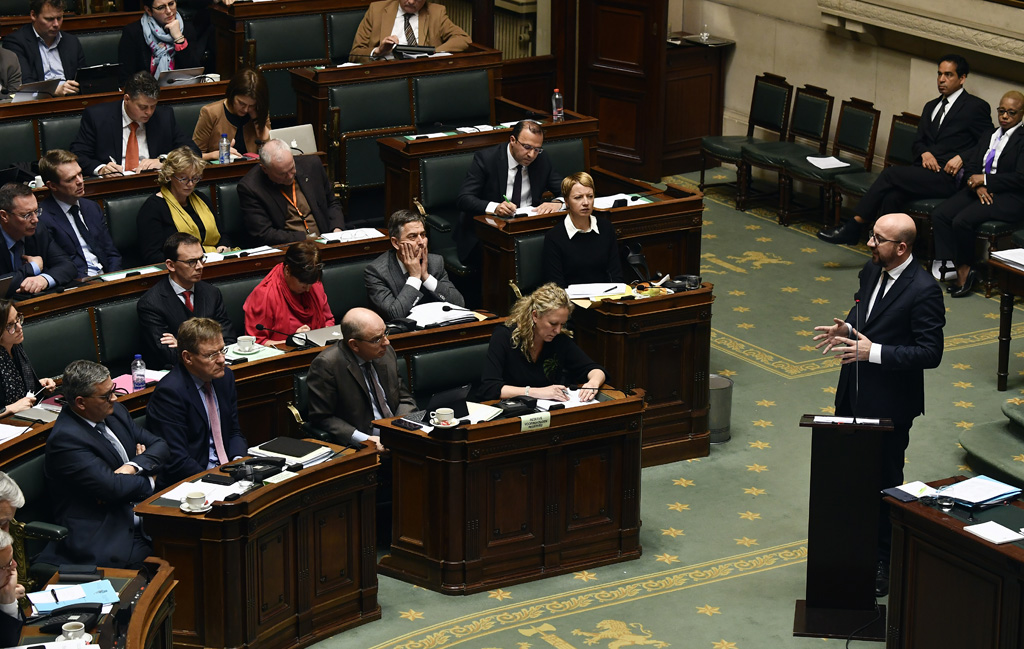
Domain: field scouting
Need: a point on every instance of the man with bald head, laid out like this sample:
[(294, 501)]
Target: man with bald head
[(356, 380), (994, 192), (892, 334), (287, 199)]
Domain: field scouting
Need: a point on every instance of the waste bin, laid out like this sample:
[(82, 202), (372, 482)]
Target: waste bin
[(720, 408)]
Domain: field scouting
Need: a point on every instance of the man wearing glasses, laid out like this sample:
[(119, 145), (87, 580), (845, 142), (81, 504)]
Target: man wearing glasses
[(505, 179), (892, 334), (181, 296), (99, 463), (31, 256), (11, 619), (195, 407), (355, 381)]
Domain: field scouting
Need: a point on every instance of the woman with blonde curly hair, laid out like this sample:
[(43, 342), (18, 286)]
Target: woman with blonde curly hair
[(532, 356), (178, 207)]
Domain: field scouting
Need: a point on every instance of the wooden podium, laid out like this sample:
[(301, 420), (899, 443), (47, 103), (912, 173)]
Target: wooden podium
[(842, 532), (490, 505)]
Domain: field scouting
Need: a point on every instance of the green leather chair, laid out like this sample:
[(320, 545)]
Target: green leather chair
[(341, 32), (769, 111), (435, 371), (118, 335), (234, 292), (529, 255), (52, 343), (33, 528), (899, 151), (299, 407), (100, 47), (812, 118), (345, 289), (187, 114), (57, 132), (122, 213), (567, 156), (440, 181), (19, 140), (445, 101), (282, 44), (230, 212), (854, 144)]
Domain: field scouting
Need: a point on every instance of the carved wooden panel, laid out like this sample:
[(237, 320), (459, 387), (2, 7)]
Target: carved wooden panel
[(275, 566), (593, 487), (410, 525), (513, 497), (618, 39), (333, 558)]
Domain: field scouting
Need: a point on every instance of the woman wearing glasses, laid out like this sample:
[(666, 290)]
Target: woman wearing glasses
[(243, 115), (178, 208), (160, 41), (291, 298), (17, 378)]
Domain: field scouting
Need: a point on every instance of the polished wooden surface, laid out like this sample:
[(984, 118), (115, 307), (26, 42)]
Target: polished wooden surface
[(77, 103), (285, 565), (661, 344), (1011, 285), (489, 505), (98, 22)]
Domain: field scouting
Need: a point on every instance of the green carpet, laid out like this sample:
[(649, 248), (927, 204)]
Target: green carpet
[(724, 536)]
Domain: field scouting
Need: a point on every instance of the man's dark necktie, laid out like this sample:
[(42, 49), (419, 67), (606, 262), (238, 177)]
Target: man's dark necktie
[(881, 292), (517, 187), (17, 251), (937, 120), (377, 393), (410, 35), (76, 214)]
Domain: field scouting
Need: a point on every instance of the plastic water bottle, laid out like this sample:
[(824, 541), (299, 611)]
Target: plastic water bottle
[(225, 149), (138, 373), (557, 107)]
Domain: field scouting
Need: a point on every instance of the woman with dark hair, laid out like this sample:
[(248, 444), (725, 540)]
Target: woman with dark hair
[(160, 41), (243, 115), (18, 380), (532, 356), (582, 248), (290, 298)]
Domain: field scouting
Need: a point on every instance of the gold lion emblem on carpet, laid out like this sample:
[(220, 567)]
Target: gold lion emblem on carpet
[(621, 634), (758, 259)]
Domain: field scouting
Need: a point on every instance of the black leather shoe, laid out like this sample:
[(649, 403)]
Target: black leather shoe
[(882, 580), (848, 233), (965, 290)]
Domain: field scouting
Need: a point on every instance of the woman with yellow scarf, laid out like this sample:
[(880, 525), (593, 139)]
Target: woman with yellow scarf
[(177, 207)]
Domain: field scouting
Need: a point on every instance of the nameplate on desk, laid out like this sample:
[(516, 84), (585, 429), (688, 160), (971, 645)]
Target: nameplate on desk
[(535, 421)]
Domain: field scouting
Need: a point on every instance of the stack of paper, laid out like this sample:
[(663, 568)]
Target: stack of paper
[(93, 592), (572, 402), (358, 234), (993, 532), (293, 450), (598, 290), (980, 490), (1013, 257), (432, 313)]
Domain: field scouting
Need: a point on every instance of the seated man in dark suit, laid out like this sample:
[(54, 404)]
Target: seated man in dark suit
[(288, 199), (405, 22), (496, 184), (99, 464), (44, 51), (169, 303), (130, 135), (950, 127), (401, 278), (35, 260), (355, 381), (11, 617), (195, 407), (74, 222)]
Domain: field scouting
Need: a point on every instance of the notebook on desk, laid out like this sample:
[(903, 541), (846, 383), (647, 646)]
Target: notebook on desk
[(323, 336), (301, 138)]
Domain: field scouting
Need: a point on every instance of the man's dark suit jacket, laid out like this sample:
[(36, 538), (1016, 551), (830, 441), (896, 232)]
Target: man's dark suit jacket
[(55, 263), (59, 227), (908, 323), (25, 44), (339, 401), (392, 298), (134, 54), (265, 208), (10, 629), (176, 413), (100, 135), (967, 120), (487, 181), (88, 498), (160, 311)]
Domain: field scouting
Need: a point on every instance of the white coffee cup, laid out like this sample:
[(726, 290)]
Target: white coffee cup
[(246, 343), (195, 499), (443, 417), (73, 630)]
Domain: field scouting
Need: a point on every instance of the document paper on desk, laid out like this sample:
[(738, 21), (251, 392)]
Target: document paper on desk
[(93, 592), (573, 402), (980, 490), (1012, 257), (431, 313), (993, 532)]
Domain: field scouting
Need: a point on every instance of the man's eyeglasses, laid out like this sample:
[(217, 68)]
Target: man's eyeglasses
[(191, 263), (188, 180), (13, 327), (27, 216), (220, 353), (112, 394), (9, 566), (528, 147), (880, 240), (375, 341)]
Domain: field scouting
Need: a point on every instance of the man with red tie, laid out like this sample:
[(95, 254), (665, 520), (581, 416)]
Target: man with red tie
[(195, 407), (169, 303)]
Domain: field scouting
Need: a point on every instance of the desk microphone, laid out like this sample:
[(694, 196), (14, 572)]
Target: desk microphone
[(449, 307), (304, 343), (856, 367)]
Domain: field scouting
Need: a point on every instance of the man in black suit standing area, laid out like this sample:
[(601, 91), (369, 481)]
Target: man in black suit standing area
[(169, 303), (496, 184), (99, 464), (30, 255), (74, 222), (129, 135), (44, 51), (901, 314), (950, 127), (195, 407)]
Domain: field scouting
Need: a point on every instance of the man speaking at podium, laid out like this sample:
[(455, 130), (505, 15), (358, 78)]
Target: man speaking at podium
[(405, 22), (892, 334)]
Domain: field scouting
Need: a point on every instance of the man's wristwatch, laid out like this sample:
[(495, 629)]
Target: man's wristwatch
[(527, 391)]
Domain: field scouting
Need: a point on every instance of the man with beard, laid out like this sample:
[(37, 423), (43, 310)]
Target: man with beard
[(901, 314)]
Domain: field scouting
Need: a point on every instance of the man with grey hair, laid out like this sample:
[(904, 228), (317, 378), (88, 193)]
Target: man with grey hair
[(11, 619), (11, 500), (98, 464), (287, 199), (401, 278)]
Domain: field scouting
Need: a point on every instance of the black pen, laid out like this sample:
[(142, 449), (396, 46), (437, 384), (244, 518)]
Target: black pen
[(53, 591), (610, 290)]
